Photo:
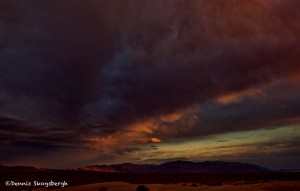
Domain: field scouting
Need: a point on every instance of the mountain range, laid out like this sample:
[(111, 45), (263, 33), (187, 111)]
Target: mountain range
[(176, 167), (168, 167), (22, 169)]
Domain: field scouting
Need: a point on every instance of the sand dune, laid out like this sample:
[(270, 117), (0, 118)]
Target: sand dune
[(238, 186)]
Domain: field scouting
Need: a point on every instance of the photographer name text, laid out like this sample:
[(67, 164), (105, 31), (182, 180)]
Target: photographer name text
[(36, 184)]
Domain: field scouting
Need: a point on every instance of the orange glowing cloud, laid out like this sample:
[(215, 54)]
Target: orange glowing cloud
[(155, 140), (141, 133), (145, 127), (237, 96), (173, 117)]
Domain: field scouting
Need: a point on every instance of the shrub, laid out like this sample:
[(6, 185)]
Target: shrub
[(215, 184), (103, 188), (142, 188)]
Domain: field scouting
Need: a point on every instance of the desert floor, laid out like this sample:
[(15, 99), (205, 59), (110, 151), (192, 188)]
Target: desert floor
[(237, 186)]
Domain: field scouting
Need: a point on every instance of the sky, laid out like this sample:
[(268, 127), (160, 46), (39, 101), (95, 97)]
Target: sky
[(115, 81)]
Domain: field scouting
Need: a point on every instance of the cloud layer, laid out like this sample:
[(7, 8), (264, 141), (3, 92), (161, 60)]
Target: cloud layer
[(116, 76)]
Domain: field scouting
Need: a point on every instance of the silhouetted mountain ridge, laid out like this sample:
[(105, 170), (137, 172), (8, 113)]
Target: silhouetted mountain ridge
[(168, 167), (22, 169), (181, 167)]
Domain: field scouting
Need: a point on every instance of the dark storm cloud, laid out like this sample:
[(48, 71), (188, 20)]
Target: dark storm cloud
[(172, 61), (23, 136), (52, 53), (276, 105), (92, 67), (279, 107), (169, 54)]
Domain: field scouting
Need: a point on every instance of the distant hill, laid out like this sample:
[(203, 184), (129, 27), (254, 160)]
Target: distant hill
[(96, 168), (169, 167), (179, 167), (22, 169), (288, 170)]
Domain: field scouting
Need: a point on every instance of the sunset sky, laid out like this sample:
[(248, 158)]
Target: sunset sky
[(144, 81)]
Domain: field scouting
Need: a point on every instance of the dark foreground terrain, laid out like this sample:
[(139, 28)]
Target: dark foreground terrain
[(76, 178)]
